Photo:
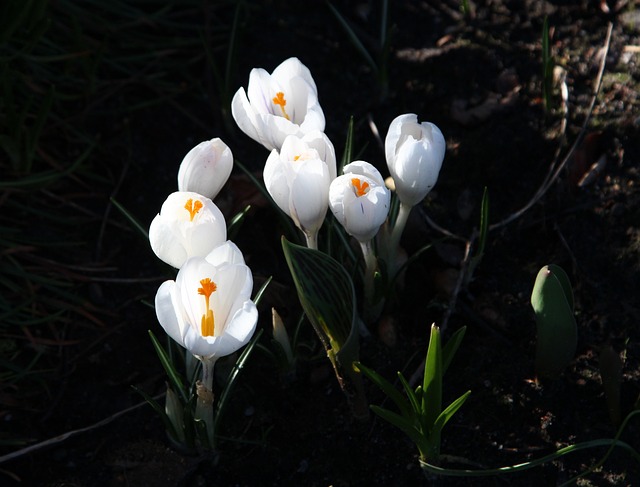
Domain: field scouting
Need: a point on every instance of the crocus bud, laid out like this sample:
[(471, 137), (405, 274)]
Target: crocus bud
[(206, 168), (188, 225), (414, 153), (359, 200), (298, 179)]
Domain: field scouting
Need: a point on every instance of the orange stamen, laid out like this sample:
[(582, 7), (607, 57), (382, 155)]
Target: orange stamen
[(281, 102), (207, 323), (360, 187), (193, 207)]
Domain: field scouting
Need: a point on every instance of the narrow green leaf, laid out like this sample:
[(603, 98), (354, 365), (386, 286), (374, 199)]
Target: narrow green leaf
[(432, 385), (354, 38), (172, 373), (168, 425), (133, 220), (414, 400), (236, 222), (449, 411), (258, 297), (450, 349), (47, 177), (347, 155), (391, 392), (407, 427), (231, 380)]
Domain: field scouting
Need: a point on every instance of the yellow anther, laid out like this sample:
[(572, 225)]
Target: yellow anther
[(193, 207), (295, 158), (281, 102), (361, 187), (207, 323)]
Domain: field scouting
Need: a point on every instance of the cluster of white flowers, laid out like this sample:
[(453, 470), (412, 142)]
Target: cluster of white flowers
[(208, 308), (281, 112)]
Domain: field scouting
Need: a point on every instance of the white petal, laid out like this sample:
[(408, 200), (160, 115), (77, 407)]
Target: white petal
[(166, 243), (291, 68), (243, 323), (394, 134), (276, 181), (259, 91), (206, 168), (227, 253), (166, 312), (366, 169), (309, 199), (321, 143), (245, 115), (415, 173)]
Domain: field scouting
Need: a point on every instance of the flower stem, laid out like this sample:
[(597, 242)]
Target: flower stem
[(204, 404), (370, 310), (396, 233), (312, 239)]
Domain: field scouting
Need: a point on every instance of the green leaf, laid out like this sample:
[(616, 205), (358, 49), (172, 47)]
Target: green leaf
[(432, 385), (325, 291), (448, 413), (565, 282), (557, 333), (415, 397), (231, 380), (391, 392), (258, 297), (347, 155), (406, 426), (236, 222), (354, 38), (450, 349), (168, 424), (132, 219), (172, 373)]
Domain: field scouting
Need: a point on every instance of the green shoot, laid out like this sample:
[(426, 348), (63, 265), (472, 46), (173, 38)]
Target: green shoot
[(420, 415)]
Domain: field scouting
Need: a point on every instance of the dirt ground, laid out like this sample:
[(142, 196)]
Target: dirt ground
[(479, 78)]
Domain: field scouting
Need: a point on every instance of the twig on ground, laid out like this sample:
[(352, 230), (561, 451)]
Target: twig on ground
[(65, 436)]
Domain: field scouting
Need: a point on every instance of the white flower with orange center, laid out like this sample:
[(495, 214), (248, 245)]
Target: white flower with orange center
[(208, 308), (298, 178), (359, 200), (275, 105), (188, 225)]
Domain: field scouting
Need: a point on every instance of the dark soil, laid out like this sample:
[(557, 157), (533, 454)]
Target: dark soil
[(479, 78)]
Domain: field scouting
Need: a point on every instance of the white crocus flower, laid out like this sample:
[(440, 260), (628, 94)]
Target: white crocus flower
[(206, 168), (279, 104), (188, 225), (298, 179), (208, 308), (414, 152), (360, 200)]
